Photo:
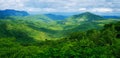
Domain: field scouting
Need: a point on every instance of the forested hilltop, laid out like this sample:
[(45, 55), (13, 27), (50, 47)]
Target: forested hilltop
[(85, 35)]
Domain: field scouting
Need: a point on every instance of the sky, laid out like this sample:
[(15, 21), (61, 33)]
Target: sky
[(111, 7)]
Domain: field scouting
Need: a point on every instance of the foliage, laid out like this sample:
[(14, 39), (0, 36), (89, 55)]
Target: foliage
[(89, 44), (40, 37)]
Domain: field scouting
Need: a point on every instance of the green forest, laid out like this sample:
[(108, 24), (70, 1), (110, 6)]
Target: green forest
[(79, 36)]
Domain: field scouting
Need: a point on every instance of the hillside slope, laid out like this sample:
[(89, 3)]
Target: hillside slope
[(77, 19)]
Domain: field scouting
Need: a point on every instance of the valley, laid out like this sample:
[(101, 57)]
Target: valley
[(84, 35)]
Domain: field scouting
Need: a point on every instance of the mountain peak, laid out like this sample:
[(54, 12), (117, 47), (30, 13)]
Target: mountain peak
[(83, 14), (87, 13), (87, 16)]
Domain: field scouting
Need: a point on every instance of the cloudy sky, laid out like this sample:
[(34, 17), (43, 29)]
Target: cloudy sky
[(66, 6)]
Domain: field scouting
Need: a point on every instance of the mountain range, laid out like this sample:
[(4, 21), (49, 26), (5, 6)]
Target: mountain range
[(85, 35), (11, 12), (112, 17), (56, 17), (52, 25)]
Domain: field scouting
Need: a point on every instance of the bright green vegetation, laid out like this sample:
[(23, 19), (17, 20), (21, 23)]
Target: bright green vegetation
[(80, 36), (103, 43)]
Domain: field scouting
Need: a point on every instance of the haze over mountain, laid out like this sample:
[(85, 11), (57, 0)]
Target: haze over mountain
[(112, 17), (56, 17)]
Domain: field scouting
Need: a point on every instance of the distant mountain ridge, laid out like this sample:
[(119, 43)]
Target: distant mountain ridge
[(112, 17), (56, 17), (10, 12)]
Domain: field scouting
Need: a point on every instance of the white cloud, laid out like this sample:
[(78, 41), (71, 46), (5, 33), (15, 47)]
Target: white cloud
[(33, 9), (12, 4), (40, 9), (82, 9), (49, 9), (62, 5), (101, 10)]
